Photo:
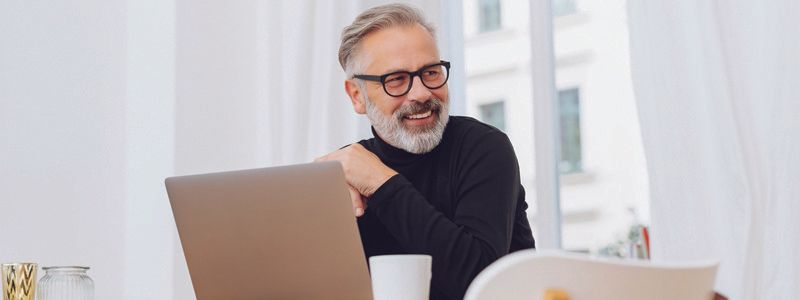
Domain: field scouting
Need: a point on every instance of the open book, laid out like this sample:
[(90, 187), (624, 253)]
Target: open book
[(530, 274)]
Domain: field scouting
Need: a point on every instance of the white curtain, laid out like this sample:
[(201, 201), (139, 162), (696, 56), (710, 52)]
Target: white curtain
[(259, 83), (716, 86), (300, 81)]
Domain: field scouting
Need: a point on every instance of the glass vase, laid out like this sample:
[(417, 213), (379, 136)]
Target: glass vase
[(65, 283)]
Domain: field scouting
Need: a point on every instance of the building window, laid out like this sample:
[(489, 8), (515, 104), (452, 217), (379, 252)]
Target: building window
[(563, 7), (494, 114), (570, 116), (489, 14)]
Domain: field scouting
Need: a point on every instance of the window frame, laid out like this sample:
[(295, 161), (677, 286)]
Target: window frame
[(547, 218)]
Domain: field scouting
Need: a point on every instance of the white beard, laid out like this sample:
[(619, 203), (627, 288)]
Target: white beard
[(416, 140)]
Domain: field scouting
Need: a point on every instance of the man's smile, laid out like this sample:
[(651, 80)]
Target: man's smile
[(422, 118)]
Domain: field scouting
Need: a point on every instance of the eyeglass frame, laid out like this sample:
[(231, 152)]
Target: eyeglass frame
[(417, 73)]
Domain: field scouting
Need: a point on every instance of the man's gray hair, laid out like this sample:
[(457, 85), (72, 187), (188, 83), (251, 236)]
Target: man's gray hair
[(371, 20)]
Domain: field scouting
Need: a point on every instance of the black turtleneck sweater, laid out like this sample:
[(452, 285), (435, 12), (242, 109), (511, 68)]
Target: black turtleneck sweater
[(462, 203)]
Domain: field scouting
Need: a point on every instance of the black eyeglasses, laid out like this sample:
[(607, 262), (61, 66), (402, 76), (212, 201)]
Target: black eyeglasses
[(398, 83)]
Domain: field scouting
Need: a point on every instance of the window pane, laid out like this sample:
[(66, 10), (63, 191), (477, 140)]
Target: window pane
[(489, 14), (563, 7), (604, 191), (494, 114), (570, 119)]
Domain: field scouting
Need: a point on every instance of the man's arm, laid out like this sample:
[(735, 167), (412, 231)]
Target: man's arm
[(363, 171), (487, 187)]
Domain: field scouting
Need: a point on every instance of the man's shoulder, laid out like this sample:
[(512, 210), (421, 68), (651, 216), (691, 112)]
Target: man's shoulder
[(369, 143)]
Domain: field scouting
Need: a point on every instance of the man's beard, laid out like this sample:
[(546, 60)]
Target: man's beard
[(417, 139)]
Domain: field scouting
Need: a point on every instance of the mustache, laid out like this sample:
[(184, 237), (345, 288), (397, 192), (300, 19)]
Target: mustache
[(414, 108)]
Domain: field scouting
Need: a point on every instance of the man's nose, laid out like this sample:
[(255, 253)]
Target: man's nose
[(419, 92)]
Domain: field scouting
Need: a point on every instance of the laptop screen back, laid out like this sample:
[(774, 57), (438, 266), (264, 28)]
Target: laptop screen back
[(274, 233)]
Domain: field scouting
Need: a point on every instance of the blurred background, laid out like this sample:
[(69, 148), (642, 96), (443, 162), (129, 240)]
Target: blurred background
[(680, 115)]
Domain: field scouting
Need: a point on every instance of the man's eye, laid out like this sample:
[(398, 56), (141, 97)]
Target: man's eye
[(395, 80), (432, 74)]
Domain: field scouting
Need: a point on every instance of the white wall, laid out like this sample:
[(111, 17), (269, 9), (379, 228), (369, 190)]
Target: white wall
[(86, 99), (150, 235), (62, 143)]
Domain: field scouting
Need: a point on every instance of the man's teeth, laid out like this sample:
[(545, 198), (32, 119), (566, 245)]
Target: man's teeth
[(420, 116)]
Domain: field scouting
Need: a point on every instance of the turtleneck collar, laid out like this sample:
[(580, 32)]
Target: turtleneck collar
[(393, 154)]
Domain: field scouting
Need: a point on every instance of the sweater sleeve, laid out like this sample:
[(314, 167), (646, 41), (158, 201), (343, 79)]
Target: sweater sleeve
[(487, 186)]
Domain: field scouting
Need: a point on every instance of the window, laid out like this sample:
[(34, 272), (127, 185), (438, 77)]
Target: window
[(494, 114), (570, 117), (563, 7), (489, 14), (603, 191)]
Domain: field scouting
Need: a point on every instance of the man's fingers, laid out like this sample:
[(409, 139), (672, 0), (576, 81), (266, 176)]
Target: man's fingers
[(358, 202), (336, 155)]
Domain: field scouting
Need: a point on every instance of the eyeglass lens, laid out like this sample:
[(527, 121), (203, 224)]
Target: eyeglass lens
[(399, 83)]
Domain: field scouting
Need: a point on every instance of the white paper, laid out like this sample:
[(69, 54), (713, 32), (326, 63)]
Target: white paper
[(528, 274)]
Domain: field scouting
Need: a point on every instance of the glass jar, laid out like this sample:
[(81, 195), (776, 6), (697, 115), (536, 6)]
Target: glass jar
[(65, 283)]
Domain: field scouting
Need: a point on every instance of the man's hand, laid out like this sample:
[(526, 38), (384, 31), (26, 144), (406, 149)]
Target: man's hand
[(359, 203), (363, 170)]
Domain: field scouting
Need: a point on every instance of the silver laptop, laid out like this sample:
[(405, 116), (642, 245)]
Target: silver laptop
[(273, 233)]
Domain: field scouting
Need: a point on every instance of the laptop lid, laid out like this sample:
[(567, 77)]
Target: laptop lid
[(273, 233)]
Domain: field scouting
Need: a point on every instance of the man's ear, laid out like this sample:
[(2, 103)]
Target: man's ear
[(356, 97)]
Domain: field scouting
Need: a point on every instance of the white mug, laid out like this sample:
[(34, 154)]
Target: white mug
[(400, 277)]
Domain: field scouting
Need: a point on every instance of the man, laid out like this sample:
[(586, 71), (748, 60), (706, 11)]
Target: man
[(427, 183)]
